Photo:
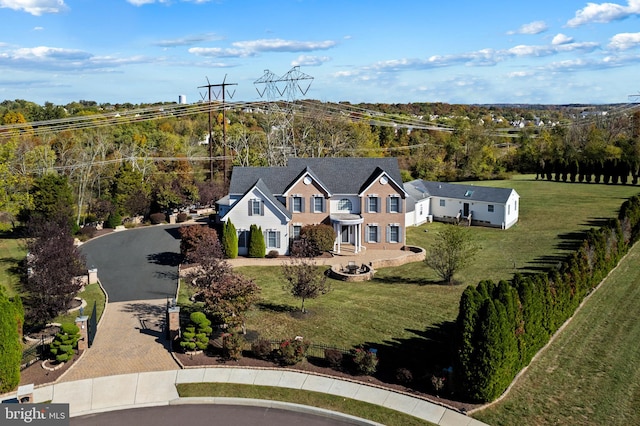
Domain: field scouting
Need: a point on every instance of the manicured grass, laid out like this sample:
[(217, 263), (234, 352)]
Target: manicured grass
[(12, 251), (590, 374), (330, 402), (92, 294), (402, 302)]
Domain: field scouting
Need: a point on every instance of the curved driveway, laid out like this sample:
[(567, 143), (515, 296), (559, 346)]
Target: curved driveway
[(137, 264)]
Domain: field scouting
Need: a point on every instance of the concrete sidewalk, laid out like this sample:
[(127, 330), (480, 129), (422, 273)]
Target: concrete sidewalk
[(158, 388)]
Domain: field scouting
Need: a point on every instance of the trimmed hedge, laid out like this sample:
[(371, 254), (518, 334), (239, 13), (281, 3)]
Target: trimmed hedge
[(257, 245), (11, 320), (229, 240), (501, 326)]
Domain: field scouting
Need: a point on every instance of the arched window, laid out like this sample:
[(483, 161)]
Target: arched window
[(344, 205)]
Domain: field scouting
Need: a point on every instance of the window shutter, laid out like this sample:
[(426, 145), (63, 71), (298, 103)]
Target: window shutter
[(367, 235), (324, 205), (400, 234), (302, 200), (277, 239), (250, 207), (261, 208), (291, 204), (399, 204), (388, 233)]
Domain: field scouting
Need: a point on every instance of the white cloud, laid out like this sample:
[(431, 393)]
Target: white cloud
[(561, 39), (604, 13), (38, 28), (624, 41), (45, 53), (219, 52), (280, 45), (186, 41), (309, 60), (35, 7), (535, 27)]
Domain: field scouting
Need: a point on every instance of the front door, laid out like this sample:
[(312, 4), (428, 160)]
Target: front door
[(465, 211), (345, 238)]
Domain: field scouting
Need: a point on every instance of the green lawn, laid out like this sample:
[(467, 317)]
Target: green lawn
[(590, 374), (352, 407), (12, 251), (92, 294), (402, 302)]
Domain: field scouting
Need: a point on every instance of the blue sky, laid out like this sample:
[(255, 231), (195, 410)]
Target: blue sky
[(388, 51)]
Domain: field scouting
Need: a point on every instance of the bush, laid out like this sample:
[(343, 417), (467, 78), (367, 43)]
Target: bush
[(113, 220), (273, 254), (196, 335), (334, 358), (157, 218), (365, 361), (319, 239), (404, 376), (11, 320), (261, 349), (229, 240), (182, 217), (232, 345), (292, 351), (257, 245), (65, 341), (88, 232)]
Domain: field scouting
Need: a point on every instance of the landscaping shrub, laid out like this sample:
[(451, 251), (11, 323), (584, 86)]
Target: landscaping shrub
[(113, 220), (229, 240), (157, 218), (261, 349), (257, 246), (292, 351), (181, 217), (196, 335), (62, 347), (273, 254), (232, 345), (404, 376), (319, 239), (11, 320), (88, 232), (334, 358), (365, 361)]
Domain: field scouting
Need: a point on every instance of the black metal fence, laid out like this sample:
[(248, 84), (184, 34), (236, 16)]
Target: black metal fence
[(33, 353)]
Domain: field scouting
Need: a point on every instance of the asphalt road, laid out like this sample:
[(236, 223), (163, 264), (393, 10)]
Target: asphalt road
[(197, 415), (136, 264)]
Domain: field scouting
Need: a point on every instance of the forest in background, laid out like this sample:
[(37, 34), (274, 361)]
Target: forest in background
[(134, 160)]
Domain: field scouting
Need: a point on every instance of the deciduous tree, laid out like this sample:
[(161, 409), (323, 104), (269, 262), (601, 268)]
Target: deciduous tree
[(304, 279), (452, 250)]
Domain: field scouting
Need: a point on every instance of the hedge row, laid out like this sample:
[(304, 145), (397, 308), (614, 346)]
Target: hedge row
[(501, 326), (11, 321)]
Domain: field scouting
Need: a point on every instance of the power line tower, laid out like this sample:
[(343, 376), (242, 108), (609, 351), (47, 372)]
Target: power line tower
[(222, 90), (280, 135)]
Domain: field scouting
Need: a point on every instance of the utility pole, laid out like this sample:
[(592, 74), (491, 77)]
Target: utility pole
[(223, 90)]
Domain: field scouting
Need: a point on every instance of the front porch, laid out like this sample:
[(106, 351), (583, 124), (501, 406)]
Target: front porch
[(348, 229)]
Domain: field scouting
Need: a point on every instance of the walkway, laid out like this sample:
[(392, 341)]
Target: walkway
[(130, 339), (158, 388)]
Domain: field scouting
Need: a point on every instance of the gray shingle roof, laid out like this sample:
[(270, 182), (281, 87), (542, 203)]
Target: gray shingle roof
[(342, 175), (417, 187)]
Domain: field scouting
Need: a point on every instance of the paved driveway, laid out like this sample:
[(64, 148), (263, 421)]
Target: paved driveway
[(136, 264)]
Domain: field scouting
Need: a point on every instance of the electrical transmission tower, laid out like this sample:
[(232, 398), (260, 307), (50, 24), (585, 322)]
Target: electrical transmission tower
[(222, 90), (280, 135)]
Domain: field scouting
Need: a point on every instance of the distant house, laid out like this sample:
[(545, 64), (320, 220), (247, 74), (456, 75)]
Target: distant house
[(363, 199), (446, 202)]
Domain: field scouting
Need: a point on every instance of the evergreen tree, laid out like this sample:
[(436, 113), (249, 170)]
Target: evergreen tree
[(230, 240), (11, 318), (257, 246)]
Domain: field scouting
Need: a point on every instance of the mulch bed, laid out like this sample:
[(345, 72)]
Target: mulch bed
[(315, 366), (37, 375)]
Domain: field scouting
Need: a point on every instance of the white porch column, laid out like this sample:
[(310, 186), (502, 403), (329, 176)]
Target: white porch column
[(358, 238)]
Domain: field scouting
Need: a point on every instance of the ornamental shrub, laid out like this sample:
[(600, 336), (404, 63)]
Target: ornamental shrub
[(114, 219), (320, 237), (261, 349), (65, 341), (181, 217), (11, 320), (229, 240), (257, 246), (196, 335), (157, 218), (292, 351), (365, 361), (334, 358), (232, 345)]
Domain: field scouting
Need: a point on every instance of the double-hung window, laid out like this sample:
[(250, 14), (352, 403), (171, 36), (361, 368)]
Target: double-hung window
[(256, 208), (373, 204), (297, 204), (318, 204), (393, 233), (272, 238), (373, 234), (490, 208), (394, 204)]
